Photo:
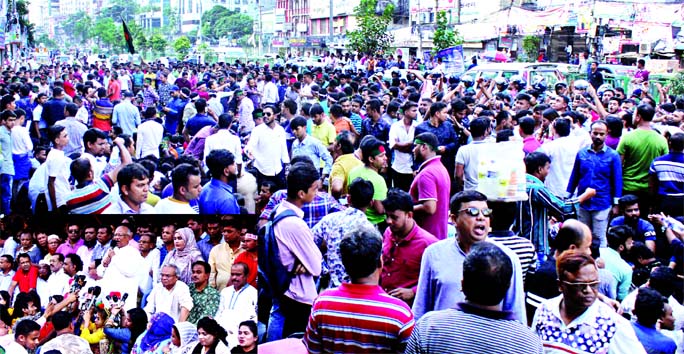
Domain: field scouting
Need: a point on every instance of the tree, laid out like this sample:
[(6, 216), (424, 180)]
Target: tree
[(182, 47), (25, 26), (371, 35), (234, 26), (171, 20), (46, 41), (119, 9), (211, 18), (105, 31), (444, 36), (158, 43), (531, 47), (206, 52), (83, 26)]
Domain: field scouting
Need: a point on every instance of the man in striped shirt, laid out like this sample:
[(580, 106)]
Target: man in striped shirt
[(359, 317), (91, 195), (503, 217), (477, 325)]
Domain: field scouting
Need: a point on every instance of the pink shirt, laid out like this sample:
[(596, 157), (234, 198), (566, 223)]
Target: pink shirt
[(433, 183), (530, 145), (401, 259)]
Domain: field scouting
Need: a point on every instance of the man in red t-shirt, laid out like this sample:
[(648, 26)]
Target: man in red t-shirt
[(26, 276), (249, 257)]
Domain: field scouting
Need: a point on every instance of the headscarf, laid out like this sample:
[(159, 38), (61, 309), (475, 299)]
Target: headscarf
[(184, 258), (160, 330), (187, 332)]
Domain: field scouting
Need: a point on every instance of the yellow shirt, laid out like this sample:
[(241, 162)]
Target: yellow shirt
[(341, 168), (325, 133), (221, 258)]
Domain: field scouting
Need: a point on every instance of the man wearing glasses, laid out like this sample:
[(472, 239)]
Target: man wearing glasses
[(122, 264), (74, 241), (594, 327), (441, 275)]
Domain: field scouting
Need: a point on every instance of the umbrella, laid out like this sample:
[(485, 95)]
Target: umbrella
[(495, 56)]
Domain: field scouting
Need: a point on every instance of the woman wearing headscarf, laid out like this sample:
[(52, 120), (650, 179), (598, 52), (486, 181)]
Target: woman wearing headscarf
[(183, 339), (184, 254), (150, 341)]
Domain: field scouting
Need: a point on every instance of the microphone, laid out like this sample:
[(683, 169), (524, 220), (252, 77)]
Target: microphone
[(96, 294)]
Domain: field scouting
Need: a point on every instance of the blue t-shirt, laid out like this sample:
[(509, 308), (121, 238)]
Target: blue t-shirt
[(198, 122), (644, 230), (654, 341)]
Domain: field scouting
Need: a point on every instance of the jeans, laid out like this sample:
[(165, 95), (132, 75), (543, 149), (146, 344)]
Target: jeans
[(276, 321), (5, 193), (597, 220)]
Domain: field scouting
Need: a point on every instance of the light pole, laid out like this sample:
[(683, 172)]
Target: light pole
[(420, 31), (330, 26)]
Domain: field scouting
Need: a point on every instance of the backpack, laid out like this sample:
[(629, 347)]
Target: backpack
[(274, 276)]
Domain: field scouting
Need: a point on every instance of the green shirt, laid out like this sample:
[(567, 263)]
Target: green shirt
[(205, 303), (639, 148), (379, 189)]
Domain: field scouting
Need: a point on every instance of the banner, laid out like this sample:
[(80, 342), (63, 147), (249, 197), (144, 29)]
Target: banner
[(452, 59)]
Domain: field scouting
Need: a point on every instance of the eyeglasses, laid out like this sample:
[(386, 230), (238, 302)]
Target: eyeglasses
[(581, 286), (473, 211), (268, 114)]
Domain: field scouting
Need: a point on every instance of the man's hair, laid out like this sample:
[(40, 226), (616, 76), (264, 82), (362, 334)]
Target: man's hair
[(649, 306), (374, 105), (218, 160), (9, 258), (527, 125), (572, 261), (80, 168), (315, 110), (550, 114), (245, 268), (201, 105), (181, 175), (76, 260), (130, 172), (618, 235), (336, 110), (535, 161), (61, 320), (91, 135), (487, 274), (23, 255), (627, 200), (25, 327), (290, 105), (368, 146), (677, 142), (54, 132), (398, 199), (360, 251), (72, 109), (562, 127), (663, 280), (465, 197), (224, 121), (569, 234), (479, 126), (205, 266), (60, 257), (361, 193), (346, 140), (297, 122), (301, 177), (646, 112), (503, 215)]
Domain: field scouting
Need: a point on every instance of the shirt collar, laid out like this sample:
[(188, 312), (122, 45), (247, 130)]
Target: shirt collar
[(474, 310), (426, 162)]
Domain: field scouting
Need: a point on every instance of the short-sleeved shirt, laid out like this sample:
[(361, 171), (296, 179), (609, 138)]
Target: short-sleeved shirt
[(325, 133), (670, 172), (198, 122), (433, 183), (58, 167), (644, 229), (93, 198), (341, 168), (639, 148), (379, 189)]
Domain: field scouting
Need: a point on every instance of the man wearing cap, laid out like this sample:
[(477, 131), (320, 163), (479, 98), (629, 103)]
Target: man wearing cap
[(430, 188), (245, 109), (174, 110), (126, 115)]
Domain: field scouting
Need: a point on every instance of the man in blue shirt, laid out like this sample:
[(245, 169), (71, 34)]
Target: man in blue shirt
[(629, 208), (199, 120), (650, 307), (174, 110), (217, 196), (309, 146), (598, 167)]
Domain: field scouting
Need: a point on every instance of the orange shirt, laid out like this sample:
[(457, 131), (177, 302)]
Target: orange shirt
[(342, 124), (250, 259)]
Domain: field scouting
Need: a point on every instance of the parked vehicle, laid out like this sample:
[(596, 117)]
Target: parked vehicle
[(312, 61), (528, 71)]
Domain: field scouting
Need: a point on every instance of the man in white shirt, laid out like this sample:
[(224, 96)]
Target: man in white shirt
[(467, 157), (245, 110), (58, 187), (268, 146), (562, 151), (401, 141), (170, 296), (150, 135), (151, 260), (270, 91), (6, 272), (58, 282), (89, 240), (121, 266), (224, 139), (238, 302), (187, 186)]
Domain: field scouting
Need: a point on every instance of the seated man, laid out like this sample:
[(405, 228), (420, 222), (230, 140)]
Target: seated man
[(630, 216)]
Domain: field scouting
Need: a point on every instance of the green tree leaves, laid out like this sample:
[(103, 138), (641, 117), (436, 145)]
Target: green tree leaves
[(444, 37), (371, 35), (221, 22), (530, 46), (182, 47)]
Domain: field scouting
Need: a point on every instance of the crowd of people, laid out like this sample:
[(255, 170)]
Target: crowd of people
[(142, 286), (372, 186)]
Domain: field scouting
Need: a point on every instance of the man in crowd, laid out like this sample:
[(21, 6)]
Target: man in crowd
[(171, 296), (217, 195), (121, 266), (205, 298), (619, 241), (223, 255), (186, 188), (374, 162), (630, 215), (134, 184)]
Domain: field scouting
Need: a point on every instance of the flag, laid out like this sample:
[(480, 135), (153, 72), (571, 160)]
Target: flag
[(128, 38)]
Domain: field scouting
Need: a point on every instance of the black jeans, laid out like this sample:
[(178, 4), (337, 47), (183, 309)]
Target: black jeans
[(296, 316), (401, 180)]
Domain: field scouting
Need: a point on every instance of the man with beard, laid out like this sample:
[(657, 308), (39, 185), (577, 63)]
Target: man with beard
[(430, 188), (600, 168), (403, 245), (217, 195), (268, 146), (424, 106), (374, 162), (205, 298), (439, 285), (212, 239), (89, 241), (620, 239), (630, 216), (578, 280), (95, 143)]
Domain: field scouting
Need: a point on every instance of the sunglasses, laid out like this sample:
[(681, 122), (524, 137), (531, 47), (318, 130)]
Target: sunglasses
[(268, 114), (581, 286), (473, 211)]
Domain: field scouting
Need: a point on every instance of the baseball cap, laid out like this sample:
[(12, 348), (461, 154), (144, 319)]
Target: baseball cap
[(175, 88)]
